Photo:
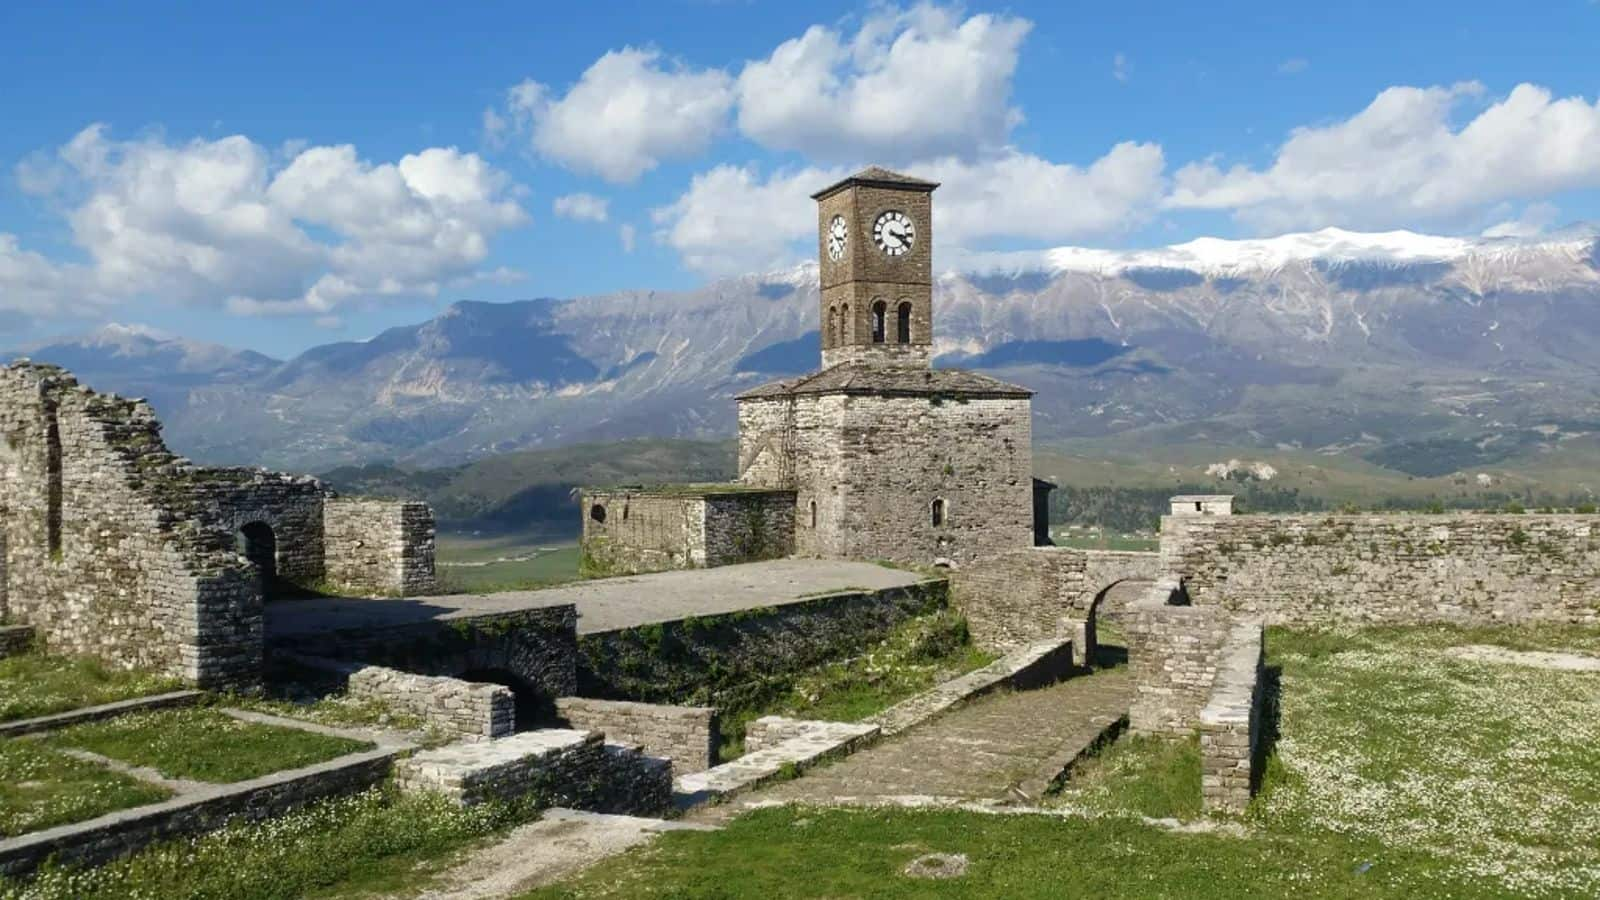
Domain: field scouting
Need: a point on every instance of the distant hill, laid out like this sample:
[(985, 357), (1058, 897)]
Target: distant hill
[(1412, 355)]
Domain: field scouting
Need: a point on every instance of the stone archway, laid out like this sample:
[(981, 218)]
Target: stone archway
[(1104, 609), (258, 543), (535, 709)]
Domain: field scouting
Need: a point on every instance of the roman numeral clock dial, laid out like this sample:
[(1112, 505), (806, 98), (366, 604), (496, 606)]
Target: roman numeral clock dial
[(838, 231), (893, 233)]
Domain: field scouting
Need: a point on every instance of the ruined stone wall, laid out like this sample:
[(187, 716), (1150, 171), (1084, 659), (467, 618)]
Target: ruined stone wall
[(1392, 569), (1231, 723), (379, 546), (459, 709), (628, 532), (291, 505), (1173, 654), (111, 549), (687, 735), (767, 432), (1019, 597)]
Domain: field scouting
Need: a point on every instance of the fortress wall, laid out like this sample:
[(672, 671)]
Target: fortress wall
[(1390, 569), (745, 527), (626, 532), (379, 546), (110, 550), (1023, 596)]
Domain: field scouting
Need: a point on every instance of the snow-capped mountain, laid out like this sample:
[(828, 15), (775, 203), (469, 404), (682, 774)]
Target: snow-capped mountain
[(1363, 343)]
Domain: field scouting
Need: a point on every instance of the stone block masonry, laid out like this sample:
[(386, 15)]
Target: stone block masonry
[(379, 546), (686, 735), (627, 531), (1173, 655), (1013, 599), (1390, 569), (460, 709), (1231, 723)]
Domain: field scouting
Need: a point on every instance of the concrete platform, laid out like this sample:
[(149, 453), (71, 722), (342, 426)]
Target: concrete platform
[(605, 604)]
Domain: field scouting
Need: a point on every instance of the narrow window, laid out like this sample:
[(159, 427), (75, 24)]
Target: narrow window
[(902, 322), (52, 481), (813, 514), (1198, 506), (597, 512), (844, 323), (880, 312), (833, 326), (938, 512)]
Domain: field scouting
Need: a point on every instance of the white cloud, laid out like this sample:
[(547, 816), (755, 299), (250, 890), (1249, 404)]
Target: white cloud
[(1402, 162), (627, 113), (221, 223), (628, 236), (1534, 220), (1120, 67), (582, 207), (732, 220), (1293, 66), (906, 85)]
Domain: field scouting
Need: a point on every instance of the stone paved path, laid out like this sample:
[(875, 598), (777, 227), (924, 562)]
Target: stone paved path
[(1005, 747)]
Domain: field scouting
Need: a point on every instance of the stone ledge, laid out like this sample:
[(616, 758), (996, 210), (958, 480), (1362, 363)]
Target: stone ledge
[(96, 713), (687, 735), (821, 742), (1034, 665)]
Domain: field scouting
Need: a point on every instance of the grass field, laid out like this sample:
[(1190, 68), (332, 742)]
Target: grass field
[(1400, 772), (469, 564), (36, 685), (203, 744), (41, 788), (1080, 540)]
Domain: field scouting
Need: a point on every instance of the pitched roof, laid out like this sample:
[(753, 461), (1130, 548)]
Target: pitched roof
[(861, 378), (877, 176)]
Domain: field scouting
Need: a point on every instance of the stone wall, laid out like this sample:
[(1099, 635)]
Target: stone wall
[(628, 531), (722, 660), (15, 640), (291, 505), (687, 735), (1231, 723), (113, 548), (1173, 654), (1022, 596), (872, 467), (536, 647), (1390, 569), (383, 547), (450, 706)]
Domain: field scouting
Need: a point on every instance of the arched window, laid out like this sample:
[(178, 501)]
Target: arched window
[(833, 326), (880, 312), (813, 508), (597, 512), (259, 545), (902, 322), (52, 481), (938, 512), (844, 323)]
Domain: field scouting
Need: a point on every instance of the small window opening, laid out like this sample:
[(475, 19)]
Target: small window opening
[(902, 323), (597, 512), (880, 312), (938, 512), (844, 323), (1199, 507), (53, 488), (813, 510), (258, 544), (833, 326)]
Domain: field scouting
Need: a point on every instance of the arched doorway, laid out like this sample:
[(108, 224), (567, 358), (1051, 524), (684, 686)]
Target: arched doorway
[(259, 545)]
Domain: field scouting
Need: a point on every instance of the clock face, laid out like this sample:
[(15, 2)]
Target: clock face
[(893, 233), (837, 232)]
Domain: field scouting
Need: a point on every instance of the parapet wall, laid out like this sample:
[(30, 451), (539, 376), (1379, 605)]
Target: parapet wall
[(1231, 726), (1390, 569), (687, 735), (1013, 599), (379, 546), (461, 709)]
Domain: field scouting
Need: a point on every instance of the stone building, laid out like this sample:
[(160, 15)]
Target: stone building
[(111, 546), (881, 455)]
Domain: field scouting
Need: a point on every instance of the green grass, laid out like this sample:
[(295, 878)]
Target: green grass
[(203, 744), (1103, 541), (484, 566), (375, 843), (1142, 774), (802, 852), (42, 788), (914, 657), (35, 684)]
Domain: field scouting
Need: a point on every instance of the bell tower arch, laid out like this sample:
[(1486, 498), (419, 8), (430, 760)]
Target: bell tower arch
[(875, 244)]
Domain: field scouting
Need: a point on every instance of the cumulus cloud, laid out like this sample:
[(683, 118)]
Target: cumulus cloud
[(1534, 220), (223, 223), (1401, 162), (582, 207), (905, 85), (627, 113), (731, 219)]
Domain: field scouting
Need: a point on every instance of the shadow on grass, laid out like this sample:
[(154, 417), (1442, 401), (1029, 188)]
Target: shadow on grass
[(1271, 693)]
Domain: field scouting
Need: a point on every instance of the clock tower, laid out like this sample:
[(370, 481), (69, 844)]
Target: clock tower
[(875, 243)]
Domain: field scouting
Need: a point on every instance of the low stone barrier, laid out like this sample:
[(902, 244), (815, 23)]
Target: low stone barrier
[(814, 744), (548, 767), (455, 707), (687, 735), (1034, 665), (1173, 653), (15, 640), (1230, 724), (96, 713), (212, 807)]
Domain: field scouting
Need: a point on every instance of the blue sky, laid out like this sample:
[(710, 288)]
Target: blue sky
[(277, 177)]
